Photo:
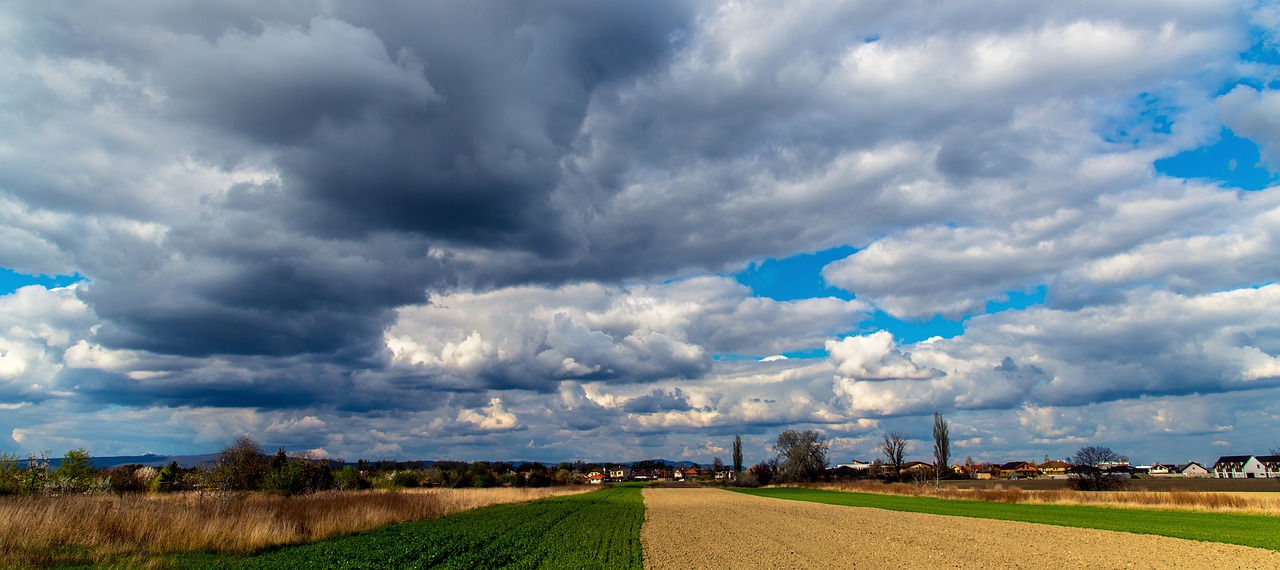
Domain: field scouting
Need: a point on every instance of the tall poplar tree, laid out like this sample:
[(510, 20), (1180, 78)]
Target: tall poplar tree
[(737, 456), (941, 444)]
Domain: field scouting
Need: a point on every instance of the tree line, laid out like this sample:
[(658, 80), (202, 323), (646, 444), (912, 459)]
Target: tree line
[(801, 458), (245, 466)]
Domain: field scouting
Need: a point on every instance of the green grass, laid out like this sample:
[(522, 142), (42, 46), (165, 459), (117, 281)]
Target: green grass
[(1259, 531), (600, 529)]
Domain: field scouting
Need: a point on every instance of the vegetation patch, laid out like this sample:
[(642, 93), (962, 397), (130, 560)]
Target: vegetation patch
[(1247, 530), (127, 530), (600, 529)]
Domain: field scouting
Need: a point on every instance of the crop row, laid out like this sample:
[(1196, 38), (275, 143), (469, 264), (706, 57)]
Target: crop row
[(600, 529)]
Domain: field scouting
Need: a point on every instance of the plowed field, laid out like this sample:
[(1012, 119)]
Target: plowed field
[(712, 528)]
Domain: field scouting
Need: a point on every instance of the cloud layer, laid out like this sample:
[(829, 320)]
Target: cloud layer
[(425, 230)]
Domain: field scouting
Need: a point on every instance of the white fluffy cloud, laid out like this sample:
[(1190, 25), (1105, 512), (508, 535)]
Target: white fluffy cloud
[(532, 337), (1256, 115), (875, 357)]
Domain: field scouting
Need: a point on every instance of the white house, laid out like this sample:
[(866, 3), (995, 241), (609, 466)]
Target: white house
[(1193, 469), (1247, 466)]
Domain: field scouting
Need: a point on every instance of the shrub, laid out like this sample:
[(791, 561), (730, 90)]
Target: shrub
[(747, 479), (125, 479), (10, 474), (348, 479), (407, 479), (763, 472), (167, 480), (288, 479)]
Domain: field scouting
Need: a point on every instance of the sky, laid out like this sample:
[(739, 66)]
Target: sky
[(559, 230)]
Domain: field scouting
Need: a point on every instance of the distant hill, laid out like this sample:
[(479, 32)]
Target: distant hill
[(667, 462), (149, 459)]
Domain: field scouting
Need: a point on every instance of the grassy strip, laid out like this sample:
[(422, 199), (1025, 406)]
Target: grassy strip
[(600, 529), (1247, 530)]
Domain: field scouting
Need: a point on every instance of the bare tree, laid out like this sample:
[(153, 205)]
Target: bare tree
[(1088, 471), (941, 445), (241, 466), (894, 448), (802, 456)]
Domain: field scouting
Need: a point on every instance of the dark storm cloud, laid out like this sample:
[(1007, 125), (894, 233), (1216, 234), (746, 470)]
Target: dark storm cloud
[(448, 121), (392, 130), (239, 289)]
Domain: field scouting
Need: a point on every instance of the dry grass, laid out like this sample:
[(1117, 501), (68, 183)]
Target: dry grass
[(45, 531), (1263, 503)]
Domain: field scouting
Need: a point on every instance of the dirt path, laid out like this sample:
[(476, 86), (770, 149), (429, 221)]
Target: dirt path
[(712, 528)]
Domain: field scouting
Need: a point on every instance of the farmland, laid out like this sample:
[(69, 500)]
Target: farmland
[(670, 526), (600, 529), (759, 531), (130, 530), (1259, 531), (1236, 498)]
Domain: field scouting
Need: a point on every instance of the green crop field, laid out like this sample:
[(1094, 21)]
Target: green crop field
[(600, 529), (1260, 531)]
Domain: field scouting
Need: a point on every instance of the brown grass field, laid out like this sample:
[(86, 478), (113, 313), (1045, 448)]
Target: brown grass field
[(46, 531), (1241, 495)]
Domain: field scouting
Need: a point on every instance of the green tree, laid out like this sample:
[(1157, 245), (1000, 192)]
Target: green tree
[(75, 474), (287, 477), (10, 473), (348, 479), (167, 479), (802, 455)]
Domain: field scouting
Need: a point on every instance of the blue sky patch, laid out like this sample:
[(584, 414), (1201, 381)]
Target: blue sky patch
[(1019, 300), (11, 280), (795, 277), (907, 332), (800, 277), (1231, 161)]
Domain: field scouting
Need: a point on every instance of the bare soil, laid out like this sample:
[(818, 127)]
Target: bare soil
[(714, 528)]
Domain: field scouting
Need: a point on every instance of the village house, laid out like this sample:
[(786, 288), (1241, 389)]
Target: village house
[(1193, 469), (1247, 466), (916, 469), (621, 473), (980, 471), (596, 478), (1054, 468), (1236, 467), (686, 474), (646, 474), (1018, 470)]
